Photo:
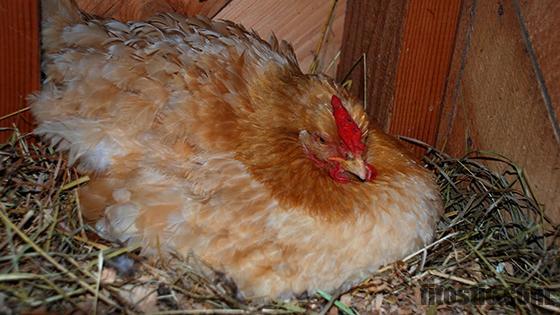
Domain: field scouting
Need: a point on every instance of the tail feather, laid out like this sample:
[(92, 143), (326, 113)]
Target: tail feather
[(57, 14)]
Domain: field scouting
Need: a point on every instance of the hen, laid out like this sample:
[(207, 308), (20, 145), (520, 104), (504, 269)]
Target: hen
[(199, 136)]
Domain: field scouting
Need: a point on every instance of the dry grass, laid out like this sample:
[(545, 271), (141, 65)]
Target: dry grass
[(492, 239), (494, 251)]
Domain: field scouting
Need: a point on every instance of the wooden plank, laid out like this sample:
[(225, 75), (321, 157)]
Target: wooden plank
[(541, 21), (424, 63), (19, 60), (454, 135), (373, 28), (301, 23), (127, 10), (496, 103)]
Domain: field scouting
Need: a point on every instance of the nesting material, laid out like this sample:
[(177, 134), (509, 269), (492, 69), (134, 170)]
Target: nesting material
[(495, 251)]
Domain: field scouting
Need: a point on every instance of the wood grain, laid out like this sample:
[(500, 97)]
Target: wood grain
[(497, 104), (424, 63), (542, 23), (373, 28), (301, 23), (453, 131), (127, 10), (19, 60)]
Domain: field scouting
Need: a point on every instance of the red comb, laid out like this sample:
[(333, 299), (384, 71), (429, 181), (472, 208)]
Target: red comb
[(347, 128)]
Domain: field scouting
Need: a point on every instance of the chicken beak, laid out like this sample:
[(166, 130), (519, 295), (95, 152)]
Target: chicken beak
[(357, 167)]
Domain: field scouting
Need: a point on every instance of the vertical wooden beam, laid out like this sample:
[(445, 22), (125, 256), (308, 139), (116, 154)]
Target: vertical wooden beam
[(373, 29), (408, 47), (424, 63), (19, 60)]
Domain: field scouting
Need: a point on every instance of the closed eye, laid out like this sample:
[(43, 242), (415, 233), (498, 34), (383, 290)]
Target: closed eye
[(319, 138)]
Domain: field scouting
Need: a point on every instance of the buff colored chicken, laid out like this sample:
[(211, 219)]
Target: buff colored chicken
[(201, 137)]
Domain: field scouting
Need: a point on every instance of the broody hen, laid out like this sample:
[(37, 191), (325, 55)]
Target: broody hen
[(199, 136)]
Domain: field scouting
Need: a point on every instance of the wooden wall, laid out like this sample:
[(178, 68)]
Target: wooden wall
[(505, 94), (301, 23), (19, 61), (423, 68), (542, 22)]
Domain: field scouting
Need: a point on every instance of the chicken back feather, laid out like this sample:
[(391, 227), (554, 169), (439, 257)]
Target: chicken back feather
[(201, 137)]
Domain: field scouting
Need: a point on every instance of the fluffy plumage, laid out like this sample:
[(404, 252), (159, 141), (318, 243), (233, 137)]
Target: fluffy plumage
[(202, 137)]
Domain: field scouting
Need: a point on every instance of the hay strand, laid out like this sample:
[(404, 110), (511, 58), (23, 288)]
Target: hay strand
[(494, 239)]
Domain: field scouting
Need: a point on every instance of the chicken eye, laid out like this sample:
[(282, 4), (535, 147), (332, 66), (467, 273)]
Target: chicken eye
[(319, 138)]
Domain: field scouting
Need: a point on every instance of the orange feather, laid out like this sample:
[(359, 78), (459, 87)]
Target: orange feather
[(202, 137)]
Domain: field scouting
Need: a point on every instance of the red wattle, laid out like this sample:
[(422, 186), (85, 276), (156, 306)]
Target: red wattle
[(337, 173)]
